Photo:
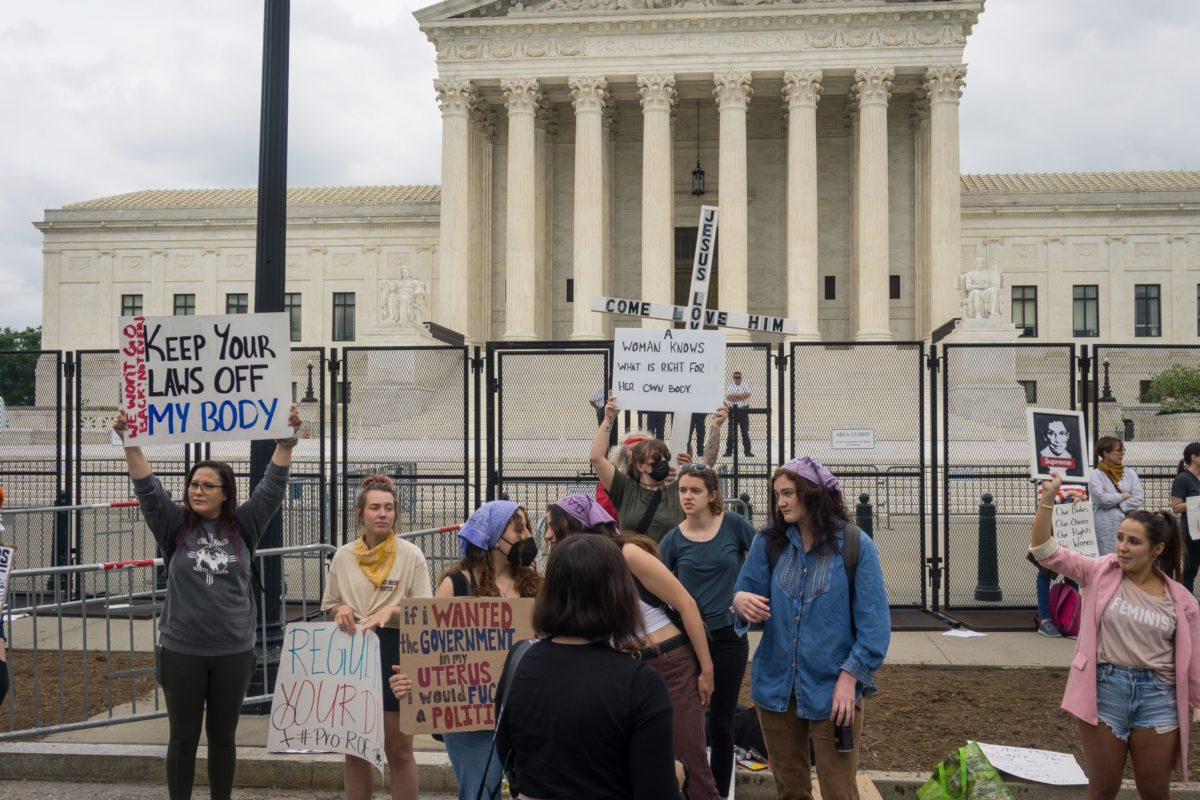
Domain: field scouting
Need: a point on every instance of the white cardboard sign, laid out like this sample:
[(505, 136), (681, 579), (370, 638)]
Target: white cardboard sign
[(1193, 516), (706, 239), (1074, 526), (7, 556), (1042, 766), (205, 379), (327, 694), (668, 370), (672, 313)]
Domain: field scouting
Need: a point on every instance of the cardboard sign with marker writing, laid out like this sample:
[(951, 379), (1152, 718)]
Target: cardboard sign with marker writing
[(1074, 527), (7, 556), (328, 693), (205, 379), (668, 370), (453, 650)]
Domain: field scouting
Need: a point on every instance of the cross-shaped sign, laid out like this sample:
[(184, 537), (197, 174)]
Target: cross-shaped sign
[(679, 371)]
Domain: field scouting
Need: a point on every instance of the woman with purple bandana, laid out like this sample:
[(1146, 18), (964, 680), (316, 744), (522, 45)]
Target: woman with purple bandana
[(498, 551), (820, 648)]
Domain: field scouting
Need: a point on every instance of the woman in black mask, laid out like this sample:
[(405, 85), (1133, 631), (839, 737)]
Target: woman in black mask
[(498, 551)]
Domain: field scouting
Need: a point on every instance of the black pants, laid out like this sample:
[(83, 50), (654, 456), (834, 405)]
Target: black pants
[(1192, 565), (656, 423), (729, 655), (3, 680), (697, 429), (208, 691), (739, 419)]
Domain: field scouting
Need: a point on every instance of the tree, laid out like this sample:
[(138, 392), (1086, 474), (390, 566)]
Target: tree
[(19, 351), (1177, 390)]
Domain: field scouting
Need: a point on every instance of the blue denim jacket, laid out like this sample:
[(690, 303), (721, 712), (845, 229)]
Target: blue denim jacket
[(806, 643)]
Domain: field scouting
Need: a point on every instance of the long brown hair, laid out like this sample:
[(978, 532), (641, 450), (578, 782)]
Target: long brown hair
[(823, 510), (1162, 527), (227, 521), (477, 563)]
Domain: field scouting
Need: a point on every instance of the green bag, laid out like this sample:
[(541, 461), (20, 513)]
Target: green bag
[(965, 775)]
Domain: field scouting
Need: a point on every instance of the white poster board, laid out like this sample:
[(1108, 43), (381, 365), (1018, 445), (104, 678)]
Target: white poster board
[(706, 247), (327, 694), (7, 556), (205, 379), (1193, 516), (1042, 766), (669, 370), (1074, 526)]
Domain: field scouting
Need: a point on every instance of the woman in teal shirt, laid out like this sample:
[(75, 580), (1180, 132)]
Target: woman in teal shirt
[(706, 552)]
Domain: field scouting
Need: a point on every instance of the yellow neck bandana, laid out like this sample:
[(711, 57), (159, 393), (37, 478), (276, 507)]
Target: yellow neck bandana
[(376, 562), (1114, 473)]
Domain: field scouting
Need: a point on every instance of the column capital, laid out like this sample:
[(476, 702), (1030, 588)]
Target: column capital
[(455, 96), (657, 92), (484, 118), (588, 93), (732, 90), (944, 84), (802, 88), (873, 85), (521, 95), (919, 111), (546, 117), (612, 117)]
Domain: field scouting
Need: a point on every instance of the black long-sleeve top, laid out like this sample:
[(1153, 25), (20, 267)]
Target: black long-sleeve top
[(587, 722)]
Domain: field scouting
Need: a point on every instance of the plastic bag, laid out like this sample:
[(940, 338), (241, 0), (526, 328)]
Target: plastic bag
[(965, 775)]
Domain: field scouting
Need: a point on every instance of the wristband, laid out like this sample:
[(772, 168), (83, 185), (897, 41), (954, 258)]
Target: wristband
[(1043, 505)]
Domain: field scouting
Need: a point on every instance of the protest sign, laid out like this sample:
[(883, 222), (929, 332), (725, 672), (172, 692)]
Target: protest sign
[(669, 370), (1042, 766), (1074, 527), (205, 379), (7, 556), (328, 693), (454, 650), (1058, 443), (1193, 516)]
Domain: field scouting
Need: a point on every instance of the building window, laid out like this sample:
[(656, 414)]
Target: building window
[(131, 305), (1030, 388), (893, 287), (1144, 391), (291, 304), (1024, 310), (1086, 310), (237, 303), (343, 316), (185, 305), (830, 287), (1146, 310), (570, 290)]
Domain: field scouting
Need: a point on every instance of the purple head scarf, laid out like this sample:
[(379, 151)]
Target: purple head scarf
[(584, 508), (813, 472), (486, 525)]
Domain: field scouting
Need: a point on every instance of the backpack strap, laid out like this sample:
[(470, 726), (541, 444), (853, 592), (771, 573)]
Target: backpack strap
[(648, 517), (510, 674), (851, 541)]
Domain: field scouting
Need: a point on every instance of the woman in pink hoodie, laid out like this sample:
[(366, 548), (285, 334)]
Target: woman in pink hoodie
[(1135, 675)]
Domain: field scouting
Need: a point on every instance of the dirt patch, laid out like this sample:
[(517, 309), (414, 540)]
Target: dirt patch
[(921, 714), (108, 682)]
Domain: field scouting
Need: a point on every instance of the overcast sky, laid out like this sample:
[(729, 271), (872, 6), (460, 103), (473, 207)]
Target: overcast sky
[(106, 97)]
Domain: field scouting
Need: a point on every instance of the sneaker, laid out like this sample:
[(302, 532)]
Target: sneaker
[(1046, 628)]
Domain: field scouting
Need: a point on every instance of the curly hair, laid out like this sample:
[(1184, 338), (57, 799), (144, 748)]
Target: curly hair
[(822, 509), (477, 564)]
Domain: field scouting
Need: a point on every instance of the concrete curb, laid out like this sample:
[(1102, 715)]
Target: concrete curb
[(73, 762)]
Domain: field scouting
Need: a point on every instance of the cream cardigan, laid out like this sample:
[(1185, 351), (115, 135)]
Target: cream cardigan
[(347, 583)]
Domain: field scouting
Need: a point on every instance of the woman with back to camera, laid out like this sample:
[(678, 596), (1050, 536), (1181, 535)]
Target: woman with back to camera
[(675, 641), (1115, 490), (706, 552), (1185, 485), (207, 629), (367, 580), (582, 719), (1135, 673), (820, 645)]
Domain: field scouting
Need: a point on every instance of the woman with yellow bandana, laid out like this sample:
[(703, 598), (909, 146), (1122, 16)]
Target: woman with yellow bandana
[(368, 578), (1114, 489)]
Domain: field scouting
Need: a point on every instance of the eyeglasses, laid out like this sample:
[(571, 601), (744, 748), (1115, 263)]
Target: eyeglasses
[(693, 468), (204, 488)]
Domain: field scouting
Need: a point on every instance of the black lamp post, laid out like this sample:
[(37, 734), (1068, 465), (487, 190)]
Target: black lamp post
[(1106, 396), (698, 172), (309, 397)]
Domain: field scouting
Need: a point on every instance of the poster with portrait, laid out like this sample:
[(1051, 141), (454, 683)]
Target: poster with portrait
[(1058, 443)]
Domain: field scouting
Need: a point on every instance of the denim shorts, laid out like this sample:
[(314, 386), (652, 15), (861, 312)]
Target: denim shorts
[(1129, 698)]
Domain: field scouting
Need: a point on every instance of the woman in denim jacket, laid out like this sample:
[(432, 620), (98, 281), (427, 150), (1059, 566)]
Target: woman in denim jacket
[(814, 664)]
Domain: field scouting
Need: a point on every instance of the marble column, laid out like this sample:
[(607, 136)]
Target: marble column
[(455, 98), (611, 121), (943, 86), (919, 124), (588, 95), (733, 91), (872, 87), (521, 97), (657, 93), (801, 93), (545, 130), (479, 268)]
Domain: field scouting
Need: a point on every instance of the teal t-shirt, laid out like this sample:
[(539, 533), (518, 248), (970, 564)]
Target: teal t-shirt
[(709, 570)]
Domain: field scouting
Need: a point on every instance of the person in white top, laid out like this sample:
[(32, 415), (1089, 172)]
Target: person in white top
[(738, 396), (597, 402)]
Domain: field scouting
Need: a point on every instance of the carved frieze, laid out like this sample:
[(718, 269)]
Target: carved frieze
[(552, 6)]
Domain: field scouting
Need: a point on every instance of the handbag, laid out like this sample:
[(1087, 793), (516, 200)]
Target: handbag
[(965, 775), (1065, 606)]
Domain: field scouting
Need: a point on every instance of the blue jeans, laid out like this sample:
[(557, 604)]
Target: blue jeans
[(468, 754), (1129, 698)]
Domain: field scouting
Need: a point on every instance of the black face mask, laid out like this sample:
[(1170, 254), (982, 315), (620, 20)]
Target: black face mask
[(523, 553), (660, 469)]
